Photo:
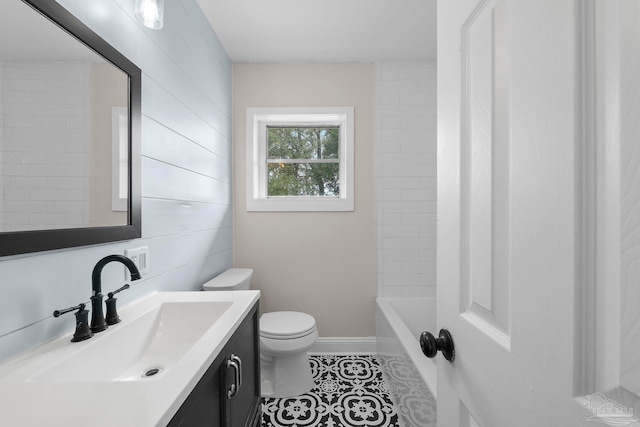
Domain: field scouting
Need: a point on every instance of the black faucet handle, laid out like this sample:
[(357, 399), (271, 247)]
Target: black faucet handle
[(111, 294), (58, 313), (112, 313), (83, 331)]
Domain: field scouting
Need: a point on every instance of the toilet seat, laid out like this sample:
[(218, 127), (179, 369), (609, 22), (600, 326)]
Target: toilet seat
[(286, 325)]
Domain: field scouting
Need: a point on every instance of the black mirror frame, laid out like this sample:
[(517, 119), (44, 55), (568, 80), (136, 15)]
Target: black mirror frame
[(21, 242)]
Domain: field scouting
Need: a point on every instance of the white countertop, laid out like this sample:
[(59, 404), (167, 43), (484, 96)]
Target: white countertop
[(151, 401)]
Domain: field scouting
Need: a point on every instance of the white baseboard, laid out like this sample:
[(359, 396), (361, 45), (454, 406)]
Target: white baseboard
[(344, 345)]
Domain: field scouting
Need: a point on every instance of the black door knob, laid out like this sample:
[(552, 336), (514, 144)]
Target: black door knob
[(431, 345)]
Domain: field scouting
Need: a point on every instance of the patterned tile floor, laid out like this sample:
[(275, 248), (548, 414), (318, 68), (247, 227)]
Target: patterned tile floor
[(350, 392)]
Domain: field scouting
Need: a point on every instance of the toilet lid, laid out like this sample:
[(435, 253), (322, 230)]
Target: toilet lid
[(229, 280), (286, 324)]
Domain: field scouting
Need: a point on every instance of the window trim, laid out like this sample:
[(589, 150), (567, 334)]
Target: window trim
[(119, 152), (258, 118)]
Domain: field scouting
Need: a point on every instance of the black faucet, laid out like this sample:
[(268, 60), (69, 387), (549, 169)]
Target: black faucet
[(98, 323)]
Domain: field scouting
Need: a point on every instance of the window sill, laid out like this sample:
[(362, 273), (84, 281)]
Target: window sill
[(299, 204)]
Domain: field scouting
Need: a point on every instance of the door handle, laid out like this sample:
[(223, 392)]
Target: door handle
[(431, 345)]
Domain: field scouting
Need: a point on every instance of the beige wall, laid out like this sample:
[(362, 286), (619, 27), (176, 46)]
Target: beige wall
[(321, 263)]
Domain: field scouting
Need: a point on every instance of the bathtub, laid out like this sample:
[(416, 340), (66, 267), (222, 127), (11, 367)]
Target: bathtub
[(410, 376)]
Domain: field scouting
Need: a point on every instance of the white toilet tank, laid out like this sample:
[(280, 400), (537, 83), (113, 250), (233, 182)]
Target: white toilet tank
[(234, 279)]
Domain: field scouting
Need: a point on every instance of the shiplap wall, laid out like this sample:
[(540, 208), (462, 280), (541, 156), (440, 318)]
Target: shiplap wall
[(186, 176)]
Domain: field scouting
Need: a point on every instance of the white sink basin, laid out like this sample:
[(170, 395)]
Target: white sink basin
[(179, 334), (141, 349)]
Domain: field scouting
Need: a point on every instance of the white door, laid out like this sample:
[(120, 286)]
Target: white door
[(512, 262)]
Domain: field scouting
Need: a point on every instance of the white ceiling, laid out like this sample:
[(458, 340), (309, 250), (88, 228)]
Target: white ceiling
[(324, 30)]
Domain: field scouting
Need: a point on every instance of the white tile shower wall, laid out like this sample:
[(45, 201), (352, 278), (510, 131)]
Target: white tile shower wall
[(186, 203), (46, 145), (406, 178)]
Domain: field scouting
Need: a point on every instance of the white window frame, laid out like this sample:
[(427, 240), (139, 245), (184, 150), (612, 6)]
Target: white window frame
[(258, 118), (119, 159)]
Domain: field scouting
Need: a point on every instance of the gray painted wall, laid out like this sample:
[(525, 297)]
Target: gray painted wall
[(186, 176)]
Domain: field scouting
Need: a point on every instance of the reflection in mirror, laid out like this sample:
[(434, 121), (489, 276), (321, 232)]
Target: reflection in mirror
[(56, 122), (69, 133)]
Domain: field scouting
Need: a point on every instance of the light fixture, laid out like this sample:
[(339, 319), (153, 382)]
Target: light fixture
[(150, 13)]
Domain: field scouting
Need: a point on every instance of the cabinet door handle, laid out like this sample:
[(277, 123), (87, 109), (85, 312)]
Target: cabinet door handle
[(236, 363), (239, 370), (232, 390)]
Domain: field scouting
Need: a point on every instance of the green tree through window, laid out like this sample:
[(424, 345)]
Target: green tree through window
[(303, 161)]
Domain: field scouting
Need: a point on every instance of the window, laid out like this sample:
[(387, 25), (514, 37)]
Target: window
[(120, 158), (300, 159)]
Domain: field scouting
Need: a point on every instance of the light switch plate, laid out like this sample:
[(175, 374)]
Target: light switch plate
[(140, 257)]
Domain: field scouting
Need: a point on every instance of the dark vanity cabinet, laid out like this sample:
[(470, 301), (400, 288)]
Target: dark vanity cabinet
[(228, 394)]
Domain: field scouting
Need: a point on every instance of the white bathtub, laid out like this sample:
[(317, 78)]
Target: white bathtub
[(410, 376)]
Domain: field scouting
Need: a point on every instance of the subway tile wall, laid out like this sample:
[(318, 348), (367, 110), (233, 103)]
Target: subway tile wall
[(45, 175), (406, 179)]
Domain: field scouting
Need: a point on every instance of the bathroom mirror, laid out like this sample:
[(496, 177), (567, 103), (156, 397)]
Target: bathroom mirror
[(69, 133)]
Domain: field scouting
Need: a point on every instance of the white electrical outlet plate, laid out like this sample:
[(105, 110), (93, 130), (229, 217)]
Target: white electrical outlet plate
[(140, 257)]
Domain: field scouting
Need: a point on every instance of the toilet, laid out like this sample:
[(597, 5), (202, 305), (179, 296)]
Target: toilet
[(285, 338)]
